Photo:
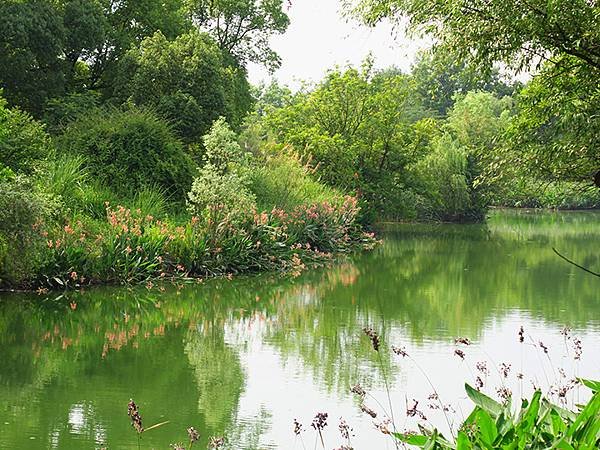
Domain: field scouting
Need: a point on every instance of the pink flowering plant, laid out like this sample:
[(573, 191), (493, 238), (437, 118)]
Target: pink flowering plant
[(133, 247)]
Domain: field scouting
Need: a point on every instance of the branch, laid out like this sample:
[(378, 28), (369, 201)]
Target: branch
[(575, 264)]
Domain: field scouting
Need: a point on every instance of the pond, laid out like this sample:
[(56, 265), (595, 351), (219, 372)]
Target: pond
[(244, 358)]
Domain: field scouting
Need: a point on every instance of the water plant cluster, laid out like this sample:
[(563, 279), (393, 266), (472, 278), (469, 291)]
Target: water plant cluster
[(131, 247), (545, 420)]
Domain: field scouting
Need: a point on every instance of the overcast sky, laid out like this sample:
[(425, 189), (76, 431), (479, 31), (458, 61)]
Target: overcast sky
[(319, 38)]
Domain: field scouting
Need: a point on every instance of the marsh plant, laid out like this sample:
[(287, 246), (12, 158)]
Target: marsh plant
[(548, 418), (545, 420)]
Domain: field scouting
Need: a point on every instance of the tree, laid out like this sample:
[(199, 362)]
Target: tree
[(439, 76), (242, 28), (52, 47), (355, 127), (31, 44), (515, 32), (222, 186), (23, 141), (191, 85), (556, 133), (560, 37)]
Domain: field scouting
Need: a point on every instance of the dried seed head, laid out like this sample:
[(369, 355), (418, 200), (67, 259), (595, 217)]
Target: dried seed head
[(401, 351), (504, 393), (478, 383), (373, 336), (543, 347), (297, 427), (345, 429), (459, 353), (193, 434), (462, 340), (358, 390), (521, 334), (482, 367), (505, 369), (216, 442), (414, 411), (136, 419), (364, 408), (319, 422)]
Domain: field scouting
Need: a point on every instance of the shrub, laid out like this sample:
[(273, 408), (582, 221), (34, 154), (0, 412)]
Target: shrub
[(127, 150), (60, 112), (222, 185), (214, 194), (282, 181), (23, 141), (23, 212)]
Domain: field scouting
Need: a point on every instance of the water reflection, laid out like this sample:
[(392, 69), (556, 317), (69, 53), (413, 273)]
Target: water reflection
[(244, 358)]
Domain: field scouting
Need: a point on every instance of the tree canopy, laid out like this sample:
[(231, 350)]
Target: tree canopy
[(242, 28)]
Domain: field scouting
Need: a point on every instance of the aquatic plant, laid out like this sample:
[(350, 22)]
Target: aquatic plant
[(537, 423), (134, 247)]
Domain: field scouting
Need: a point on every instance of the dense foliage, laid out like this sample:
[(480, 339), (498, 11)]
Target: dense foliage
[(130, 149), (538, 424), (148, 106), (559, 126)]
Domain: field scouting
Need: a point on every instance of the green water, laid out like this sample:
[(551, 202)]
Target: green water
[(244, 358)]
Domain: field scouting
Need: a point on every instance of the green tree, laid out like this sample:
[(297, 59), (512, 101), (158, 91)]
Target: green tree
[(556, 133), (52, 47), (560, 37), (439, 76), (242, 28), (191, 85), (355, 128), (31, 45), (23, 141), (222, 186)]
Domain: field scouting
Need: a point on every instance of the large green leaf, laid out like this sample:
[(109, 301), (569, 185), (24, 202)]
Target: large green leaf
[(483, 401)]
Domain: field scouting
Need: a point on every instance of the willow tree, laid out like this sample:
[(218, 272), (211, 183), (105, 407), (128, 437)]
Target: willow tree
[(558, 133)]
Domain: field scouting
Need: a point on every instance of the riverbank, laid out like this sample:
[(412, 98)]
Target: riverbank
[(130, 247)]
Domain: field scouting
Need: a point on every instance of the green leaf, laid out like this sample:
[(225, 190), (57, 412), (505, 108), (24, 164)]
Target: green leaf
[(593, 385), (487, 428), (412, 439), (483, 401), (462, 441)]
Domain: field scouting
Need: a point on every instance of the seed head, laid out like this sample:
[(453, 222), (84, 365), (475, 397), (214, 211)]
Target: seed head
[(373, 336), (193, 434)]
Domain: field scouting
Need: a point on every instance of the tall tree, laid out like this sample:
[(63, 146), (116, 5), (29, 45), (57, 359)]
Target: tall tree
[(192, 85), (242, 27), (51, 47), (561, 37), (439, 76)]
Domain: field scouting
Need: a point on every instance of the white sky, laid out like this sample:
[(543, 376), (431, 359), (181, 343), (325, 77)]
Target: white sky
[(319, 38)]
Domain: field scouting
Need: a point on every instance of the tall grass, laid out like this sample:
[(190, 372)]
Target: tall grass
[(285, 182)]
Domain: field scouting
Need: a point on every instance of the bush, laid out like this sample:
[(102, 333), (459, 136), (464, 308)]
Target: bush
[(23, 141), (282, 181), (214, 194), (446, 176), (221, 189), (128, 150), (60, 112), (23, 212)]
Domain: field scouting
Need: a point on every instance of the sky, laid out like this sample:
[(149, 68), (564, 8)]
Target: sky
[(319, 38)]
